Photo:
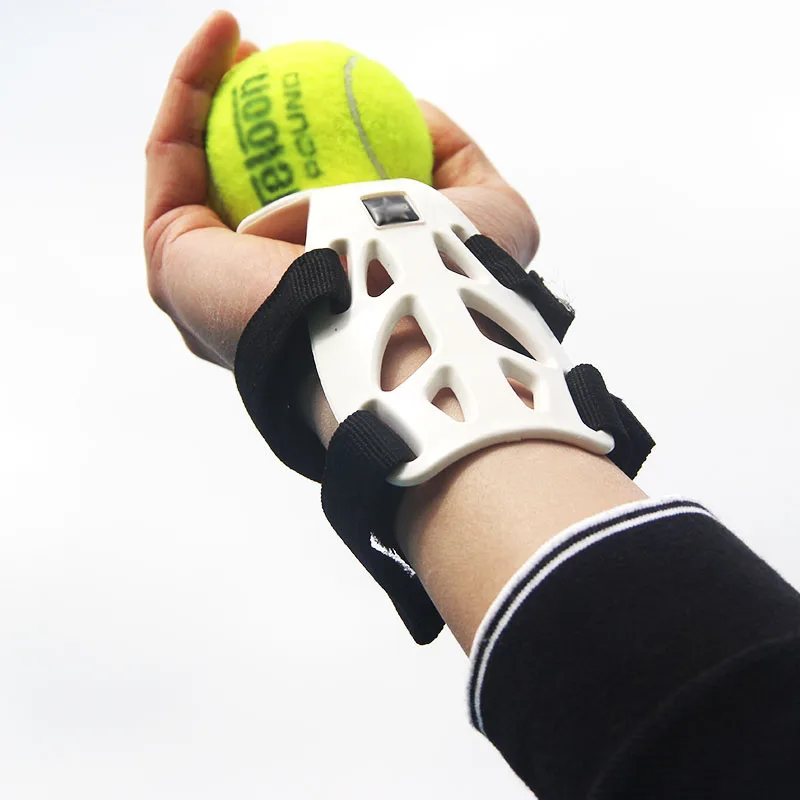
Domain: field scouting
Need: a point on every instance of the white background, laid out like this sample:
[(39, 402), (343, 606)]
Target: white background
[(176, 618)]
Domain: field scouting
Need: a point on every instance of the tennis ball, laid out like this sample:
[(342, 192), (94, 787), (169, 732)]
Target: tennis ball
[(307, 115)]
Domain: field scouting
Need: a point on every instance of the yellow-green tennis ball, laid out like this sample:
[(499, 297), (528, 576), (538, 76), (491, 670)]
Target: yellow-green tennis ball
[(307, 115)]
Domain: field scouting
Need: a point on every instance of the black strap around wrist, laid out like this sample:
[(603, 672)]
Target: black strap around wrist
[(273, 359)]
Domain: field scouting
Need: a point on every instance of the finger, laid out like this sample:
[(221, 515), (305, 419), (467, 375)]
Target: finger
[(457, 159), (463, 172), (176, 165), (501, 214), (245, 50)]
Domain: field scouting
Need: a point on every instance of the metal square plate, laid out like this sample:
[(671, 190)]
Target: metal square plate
[(390, 209)]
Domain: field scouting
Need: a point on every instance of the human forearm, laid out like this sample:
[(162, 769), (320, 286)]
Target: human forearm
[(469, 529), (466, 531)]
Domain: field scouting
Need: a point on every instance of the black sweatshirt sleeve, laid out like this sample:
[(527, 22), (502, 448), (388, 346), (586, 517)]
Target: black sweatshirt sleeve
[(644, 654)]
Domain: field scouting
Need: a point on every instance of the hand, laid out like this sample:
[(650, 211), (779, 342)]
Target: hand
[(211, 280)]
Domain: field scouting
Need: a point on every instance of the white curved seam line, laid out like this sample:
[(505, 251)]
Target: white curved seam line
[(566, 555), (602, 518), (356, 117)]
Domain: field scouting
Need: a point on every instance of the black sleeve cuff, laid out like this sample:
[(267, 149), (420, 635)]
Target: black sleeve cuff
[(626, 656)]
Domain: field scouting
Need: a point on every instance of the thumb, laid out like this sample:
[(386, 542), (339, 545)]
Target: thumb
[(462, 172)]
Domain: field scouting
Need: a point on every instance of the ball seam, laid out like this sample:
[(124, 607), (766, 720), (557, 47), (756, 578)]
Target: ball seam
[(356, 117)]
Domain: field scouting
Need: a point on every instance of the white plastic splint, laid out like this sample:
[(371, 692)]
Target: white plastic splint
[(406, 225)]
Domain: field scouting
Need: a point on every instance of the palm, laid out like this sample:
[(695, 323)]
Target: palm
[(213, 280)]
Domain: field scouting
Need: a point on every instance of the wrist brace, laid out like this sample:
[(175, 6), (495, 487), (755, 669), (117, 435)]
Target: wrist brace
[(322, 317)]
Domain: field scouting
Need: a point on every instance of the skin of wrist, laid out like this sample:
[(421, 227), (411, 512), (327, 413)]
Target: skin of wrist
[(471, 527)]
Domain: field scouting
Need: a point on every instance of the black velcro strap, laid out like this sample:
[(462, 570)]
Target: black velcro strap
[(274, 356), (601, 410), (555, 312), (360, 503)]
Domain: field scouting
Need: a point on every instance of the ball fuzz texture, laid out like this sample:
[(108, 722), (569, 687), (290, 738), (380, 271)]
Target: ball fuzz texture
[(307, 115)]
